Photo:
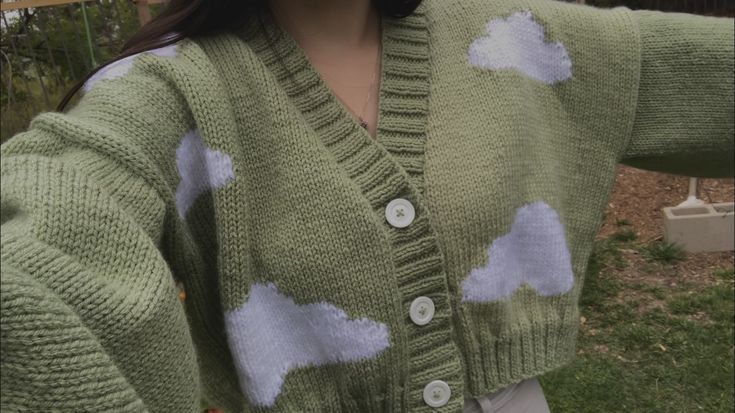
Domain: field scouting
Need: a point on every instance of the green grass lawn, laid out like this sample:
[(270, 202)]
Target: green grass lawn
[(675, 356)]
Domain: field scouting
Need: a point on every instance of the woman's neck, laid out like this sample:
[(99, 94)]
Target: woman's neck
[(342, 41), (328, 26)]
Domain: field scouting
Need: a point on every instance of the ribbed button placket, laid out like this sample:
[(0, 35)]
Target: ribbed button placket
[(434, 366)]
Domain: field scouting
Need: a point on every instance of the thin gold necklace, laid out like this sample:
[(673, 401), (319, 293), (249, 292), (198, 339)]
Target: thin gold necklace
[(360, 117)]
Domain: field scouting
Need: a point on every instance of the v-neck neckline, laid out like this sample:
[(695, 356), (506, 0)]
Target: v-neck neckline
[(403, 90)]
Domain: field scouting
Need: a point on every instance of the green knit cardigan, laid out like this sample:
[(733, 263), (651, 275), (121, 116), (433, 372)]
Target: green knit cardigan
[(324, 270)]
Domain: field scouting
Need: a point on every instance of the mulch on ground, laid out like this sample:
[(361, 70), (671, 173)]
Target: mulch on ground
[(638, 197)]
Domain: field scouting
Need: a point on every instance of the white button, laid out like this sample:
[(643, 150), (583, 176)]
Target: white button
[(436, 393), (422, 310), (399, 212)]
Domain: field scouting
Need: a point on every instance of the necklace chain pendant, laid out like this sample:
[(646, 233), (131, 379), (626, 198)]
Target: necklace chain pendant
[(363, 124)]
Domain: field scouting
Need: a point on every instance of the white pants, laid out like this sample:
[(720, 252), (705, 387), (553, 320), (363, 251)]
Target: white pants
[(524, 397)]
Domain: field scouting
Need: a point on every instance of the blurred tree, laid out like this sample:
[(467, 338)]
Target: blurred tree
[(44, 50)]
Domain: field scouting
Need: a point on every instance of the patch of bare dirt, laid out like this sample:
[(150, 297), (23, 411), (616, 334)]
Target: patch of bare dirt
[(638, 197), (697, 270), (649, 284)]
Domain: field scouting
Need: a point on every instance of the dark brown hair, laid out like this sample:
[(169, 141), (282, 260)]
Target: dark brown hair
[(185, 18)]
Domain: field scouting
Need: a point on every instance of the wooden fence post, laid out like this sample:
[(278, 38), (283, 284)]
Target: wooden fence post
[(144, 12)]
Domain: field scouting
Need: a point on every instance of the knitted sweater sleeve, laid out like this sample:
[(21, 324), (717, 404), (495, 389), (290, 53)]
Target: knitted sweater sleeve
[(684, 114), (90, 315)]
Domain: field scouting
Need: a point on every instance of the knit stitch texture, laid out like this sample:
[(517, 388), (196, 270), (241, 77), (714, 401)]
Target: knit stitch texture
[(224, 164)]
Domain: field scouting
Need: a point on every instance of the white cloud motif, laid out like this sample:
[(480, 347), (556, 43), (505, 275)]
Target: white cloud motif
[(121, 67), (200, 169), (517, 42), (533, 252), (271, 335)]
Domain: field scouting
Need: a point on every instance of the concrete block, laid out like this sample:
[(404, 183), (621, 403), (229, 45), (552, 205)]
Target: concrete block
[(707, 227)]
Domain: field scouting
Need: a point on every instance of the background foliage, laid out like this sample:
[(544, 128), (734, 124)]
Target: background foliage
[(45, 50)]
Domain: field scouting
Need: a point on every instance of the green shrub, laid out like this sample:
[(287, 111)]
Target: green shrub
[(664, 252)]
